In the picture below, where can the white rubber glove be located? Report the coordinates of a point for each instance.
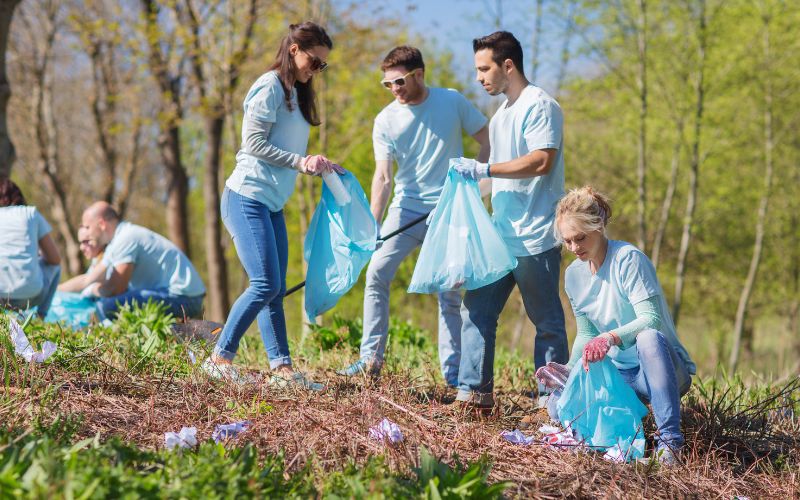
(471, 169)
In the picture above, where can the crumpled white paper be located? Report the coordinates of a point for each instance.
(186, 438)
(229, 431)
(517, 437)
(192, 357)
(23, 347)
(386, 430)
(556, 438)
(624, 451)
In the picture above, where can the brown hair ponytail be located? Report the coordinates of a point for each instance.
(306, 35)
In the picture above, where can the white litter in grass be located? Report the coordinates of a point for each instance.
(625, 451)
(558, 439)
(229, 431)
(23, 347)
(186, 438)
(192, 357)
(517, 437)
(386, 430)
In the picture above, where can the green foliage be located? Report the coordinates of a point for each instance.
(342, 333)
(403, 333)
(372, 479)
(47, 465)
(440, 481)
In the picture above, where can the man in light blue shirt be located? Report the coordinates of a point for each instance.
(526, 168)
(420, 130)
(143, 265)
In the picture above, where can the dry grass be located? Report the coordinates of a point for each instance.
(326, 430)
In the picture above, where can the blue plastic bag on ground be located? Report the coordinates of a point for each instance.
(462, 248)
(339, 243)
(603, 409)
(72, 309)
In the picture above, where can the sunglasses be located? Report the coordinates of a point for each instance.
(397, 81)
(317, 64)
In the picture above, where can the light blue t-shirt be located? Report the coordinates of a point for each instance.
(422, 138)
(21, 228)
(157, 263)
(524, 209)
(626, 277)
(254, 178)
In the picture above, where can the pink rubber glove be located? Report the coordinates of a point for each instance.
(596, 349)
(315, 165)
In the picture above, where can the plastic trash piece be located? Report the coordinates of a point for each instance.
(339, 243)
(462, 249)
(601, 408)
(517, 437)
(192, 357)
(337, 188)
(386, 430)
(72, 309)
(186, 438)
(224, 432)
(553, 375)
(23, 347)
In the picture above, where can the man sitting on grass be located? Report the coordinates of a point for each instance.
(143, 265)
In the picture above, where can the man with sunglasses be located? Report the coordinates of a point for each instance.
(421, 130)
(527, 175)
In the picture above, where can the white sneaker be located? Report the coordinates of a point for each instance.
(226, 372)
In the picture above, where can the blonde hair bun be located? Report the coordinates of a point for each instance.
(589, 210)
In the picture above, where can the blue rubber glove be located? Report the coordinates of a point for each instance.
(471, 169)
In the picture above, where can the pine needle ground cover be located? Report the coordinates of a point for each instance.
(90, 423)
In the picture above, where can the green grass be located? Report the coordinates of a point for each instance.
(46, 452)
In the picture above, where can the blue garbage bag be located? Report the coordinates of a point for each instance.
(72, 309)
(462, 248)
(339, 243)
(603, 409)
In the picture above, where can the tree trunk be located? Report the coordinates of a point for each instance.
(47, 141)
(537, 37)
(519, 327)
(694, 169)
(169, 143)
(215, 255)
(177, 188)
(569, 29)
(641, 165)
(669, 196)
(7, 154)
(761, 218)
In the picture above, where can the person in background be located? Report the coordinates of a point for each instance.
(29, 260)
(93, 252)
(526, 168)
(420, 130)
(620, 312)
(138, 265)
(279, 111)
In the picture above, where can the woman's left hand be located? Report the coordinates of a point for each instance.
(597, 348)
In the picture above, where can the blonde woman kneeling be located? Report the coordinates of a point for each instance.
(620, 312)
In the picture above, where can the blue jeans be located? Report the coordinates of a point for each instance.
(51, 274)
(380, 272)
(660, 379)
(537, 278)
(260, 239)
(178, 305)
